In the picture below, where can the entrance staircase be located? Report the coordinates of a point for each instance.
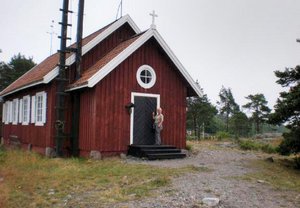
(155, 152)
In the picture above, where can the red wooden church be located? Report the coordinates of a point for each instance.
(126, 74)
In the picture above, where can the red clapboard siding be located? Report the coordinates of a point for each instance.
(100, 50)
(110, 131)
(38, 136)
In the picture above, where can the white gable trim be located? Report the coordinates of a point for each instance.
(86, 48)
(98, 76)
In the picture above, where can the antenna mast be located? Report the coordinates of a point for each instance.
(51, 33)
(120, 8)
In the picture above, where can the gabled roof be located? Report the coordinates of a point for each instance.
(109, 62)
(47, 70)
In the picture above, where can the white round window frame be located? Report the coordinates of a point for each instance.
(139, 80)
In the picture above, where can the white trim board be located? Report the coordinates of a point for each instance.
(137, 94)
(86, 48)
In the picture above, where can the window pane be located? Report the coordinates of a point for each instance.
(148, 73)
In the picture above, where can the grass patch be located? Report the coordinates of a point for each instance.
(277, 174)
(30, 180)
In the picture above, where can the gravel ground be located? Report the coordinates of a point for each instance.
(225, 164)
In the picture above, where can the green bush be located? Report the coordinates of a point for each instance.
(189, 147)
(291, 142)
(253, 145)
(222, 135)
(249, 145)
(269, 149)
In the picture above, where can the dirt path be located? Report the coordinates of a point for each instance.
(219, 169)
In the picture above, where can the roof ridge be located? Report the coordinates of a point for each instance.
(48, 67)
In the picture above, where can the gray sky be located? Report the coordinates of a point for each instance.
(235, 43)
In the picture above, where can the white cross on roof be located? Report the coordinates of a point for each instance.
(153, 26)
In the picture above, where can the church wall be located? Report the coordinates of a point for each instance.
(111, 127)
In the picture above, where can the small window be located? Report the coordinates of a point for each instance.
(26, 110)
(32, 109)
(40, 108)
(146, 76)
(6, 112)
(15, 110)
(9, 113)
(20, 111)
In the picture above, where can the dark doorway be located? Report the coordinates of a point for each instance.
(142, 121)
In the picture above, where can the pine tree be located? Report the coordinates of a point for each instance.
(260, 111)
(227, 105)
(200, 111)
(11, 71)
(287, 109)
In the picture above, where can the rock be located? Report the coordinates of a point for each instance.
(261, 181)
(1, 179)
(95, 155)
(51, 192)
(210, 201)
(186, 152)
(270, 159)
(123, 156)
(49, 152)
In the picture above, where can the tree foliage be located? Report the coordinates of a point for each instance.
(287, 109)
(239, 124)
(15, 68)
(227, 105)
(258, 106)
(200, 111)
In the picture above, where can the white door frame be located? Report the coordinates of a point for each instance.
(138, 94)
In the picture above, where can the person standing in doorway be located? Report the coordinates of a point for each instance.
(158, 124)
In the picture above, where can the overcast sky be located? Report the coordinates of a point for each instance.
(235, 43)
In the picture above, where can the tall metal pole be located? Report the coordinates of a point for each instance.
(76, 94)
(79, 38)
(61, 82)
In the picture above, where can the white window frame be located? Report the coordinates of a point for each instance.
(40, 111)
(153, 76)
(26, 110)
(15, 111)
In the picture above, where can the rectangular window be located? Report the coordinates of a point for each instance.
(40, 108)
(6, 112)
(15, 110)
(9, 112)
(26, 110)
(20, 111)
(33, 109)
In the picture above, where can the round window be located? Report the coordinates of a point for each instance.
(146, 76)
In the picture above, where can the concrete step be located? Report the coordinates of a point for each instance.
(160, 156)
(153, 152)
